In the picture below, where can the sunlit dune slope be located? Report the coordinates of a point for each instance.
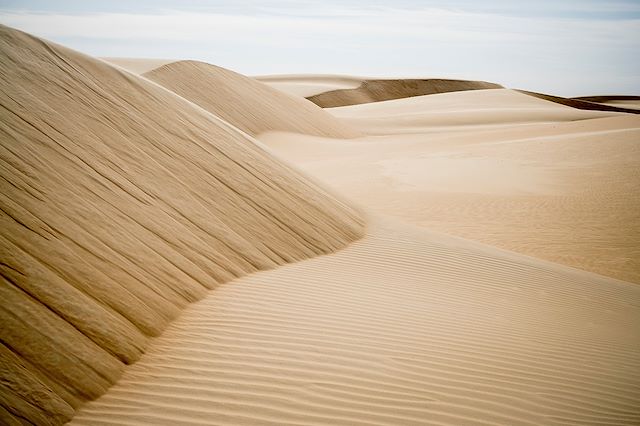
(404, 327)
(121, 203)
(246, 103)
(138, 65)
(306, 85)
(384, 90)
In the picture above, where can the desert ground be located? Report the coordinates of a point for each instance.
(184, 244)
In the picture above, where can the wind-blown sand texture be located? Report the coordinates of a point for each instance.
(495, 166)
(384, 90)
(246, 103)
(122, 203)
(404, 327)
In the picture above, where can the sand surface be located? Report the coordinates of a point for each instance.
(160, 265)
(305, 85)
(245, 103)
(388, 89)
(495, 166)
(122, 203)
(138, 65)
(402, 327)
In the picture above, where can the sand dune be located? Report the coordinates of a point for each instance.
(122, 203)
(306, 85)
(404, 327)
(494, 166)
(581, 103)
(246, 103)
(384, 90)
(457, 111)
(138, 65)
(629, 102)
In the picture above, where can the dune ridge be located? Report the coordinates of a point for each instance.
(247, 104)
(138, 65)
(384, 90)
(121, 204)
(403, 327)
(581, 103)
(306, 85)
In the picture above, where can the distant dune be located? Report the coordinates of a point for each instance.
(582, 103)
(384, 90)
(632, 102)
(138, 65)
(246, 103)
(122, 203)
(496, 166)
(306, 85)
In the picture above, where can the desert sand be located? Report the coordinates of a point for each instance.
(193, 246)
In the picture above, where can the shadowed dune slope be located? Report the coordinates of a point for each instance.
(246, 103)
(121, 203)
(580, 103)
(384, 90)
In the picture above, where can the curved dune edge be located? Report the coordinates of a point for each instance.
(246, 103)
(580, 103)
(402, 327)
(306, 85)
(121, 204)
(384, 90)
(137, 65)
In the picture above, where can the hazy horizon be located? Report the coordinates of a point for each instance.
(568, 48)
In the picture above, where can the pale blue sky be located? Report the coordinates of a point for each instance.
(570, 48)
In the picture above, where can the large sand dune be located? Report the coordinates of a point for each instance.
(384, 90)
(495, 166)
(246, 103)
(404, 327)
(122, 203)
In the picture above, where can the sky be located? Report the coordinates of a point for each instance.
(562, 47)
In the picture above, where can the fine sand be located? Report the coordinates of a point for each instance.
(305, 85)
(245, 103)
(404, 327)
(161, 265)
(384, 90)
(495, 166)
(121, 203)
(138, 65)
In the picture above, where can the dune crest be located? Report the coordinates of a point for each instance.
(247, 104)
(121, 204)
(385, 90)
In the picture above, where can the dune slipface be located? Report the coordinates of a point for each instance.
(246, 103)
(384, 90)
(122, 203)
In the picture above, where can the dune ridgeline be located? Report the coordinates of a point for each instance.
(121, 204)
(246, 103)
